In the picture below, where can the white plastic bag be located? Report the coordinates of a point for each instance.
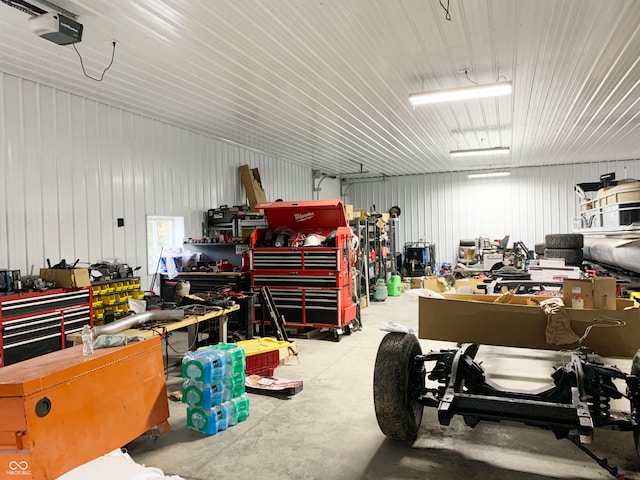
(395, 327)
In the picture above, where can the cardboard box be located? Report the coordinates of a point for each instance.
(360, 213)
(364, 302)
(475, 318)
(382, 221)
(544, 274)
(437, 284)
(348, 212)
(253, 185)
(68, 278)
(470, 283)
(551, 262)
(416, 282)
(596, 292)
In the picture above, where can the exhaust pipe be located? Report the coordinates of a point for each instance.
(137, 319)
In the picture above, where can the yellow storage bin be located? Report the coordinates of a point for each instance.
(109, 299)
(263, 355)
(261, 345)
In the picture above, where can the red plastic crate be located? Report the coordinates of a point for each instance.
(263, 364)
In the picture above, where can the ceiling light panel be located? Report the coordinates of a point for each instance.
(476, 152)
(465, 93)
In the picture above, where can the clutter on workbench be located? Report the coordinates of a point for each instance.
(10, 281)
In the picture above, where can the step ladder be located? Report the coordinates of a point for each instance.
(277, 320)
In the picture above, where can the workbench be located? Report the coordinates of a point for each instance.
(190, 322)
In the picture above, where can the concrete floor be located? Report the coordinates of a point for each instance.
(329, 430)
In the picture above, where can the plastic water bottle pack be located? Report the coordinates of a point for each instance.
(214, 388)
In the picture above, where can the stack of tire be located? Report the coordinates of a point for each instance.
(564, 245)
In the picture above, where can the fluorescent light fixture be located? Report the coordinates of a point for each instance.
(488, 174)
(464, 93)
(475, 152)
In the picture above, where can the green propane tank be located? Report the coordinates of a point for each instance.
(380, 291)
(394, 287)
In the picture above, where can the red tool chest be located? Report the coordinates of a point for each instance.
(310, 285)
(32, 324)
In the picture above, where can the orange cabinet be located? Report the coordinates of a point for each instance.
(61, 410)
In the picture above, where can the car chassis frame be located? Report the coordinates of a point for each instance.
(578, 400)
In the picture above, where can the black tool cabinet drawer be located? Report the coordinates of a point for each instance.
(34, 304)
(295, 259)
(307, 305)
(326, 281)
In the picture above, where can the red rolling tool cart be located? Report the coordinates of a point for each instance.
(32, 324)
(305, 258)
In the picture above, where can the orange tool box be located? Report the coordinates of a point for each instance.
(61, 410)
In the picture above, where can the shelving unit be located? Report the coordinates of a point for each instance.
(361, 277)
(237, 227)
(234, 235)
(112, 296)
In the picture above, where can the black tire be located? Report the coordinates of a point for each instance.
(572, 258)
(467, 243)
(395, 377)
(538, 248)
(571, 241)
(635, 370)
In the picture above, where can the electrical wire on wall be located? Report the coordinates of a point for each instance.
(113, 52)
(447, 15)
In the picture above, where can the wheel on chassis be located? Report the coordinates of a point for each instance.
(396, 378)
(635, 370)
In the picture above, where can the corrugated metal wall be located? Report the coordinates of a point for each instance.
(444, 208)
(71, 166)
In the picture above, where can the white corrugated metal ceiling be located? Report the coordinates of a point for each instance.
(324, 83)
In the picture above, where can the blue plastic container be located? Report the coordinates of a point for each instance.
(209, 421)
(206, 396)
(235, 385)
(236, 358)
(240, 408)
(205, 366)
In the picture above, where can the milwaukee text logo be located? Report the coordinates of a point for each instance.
(303, 217)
